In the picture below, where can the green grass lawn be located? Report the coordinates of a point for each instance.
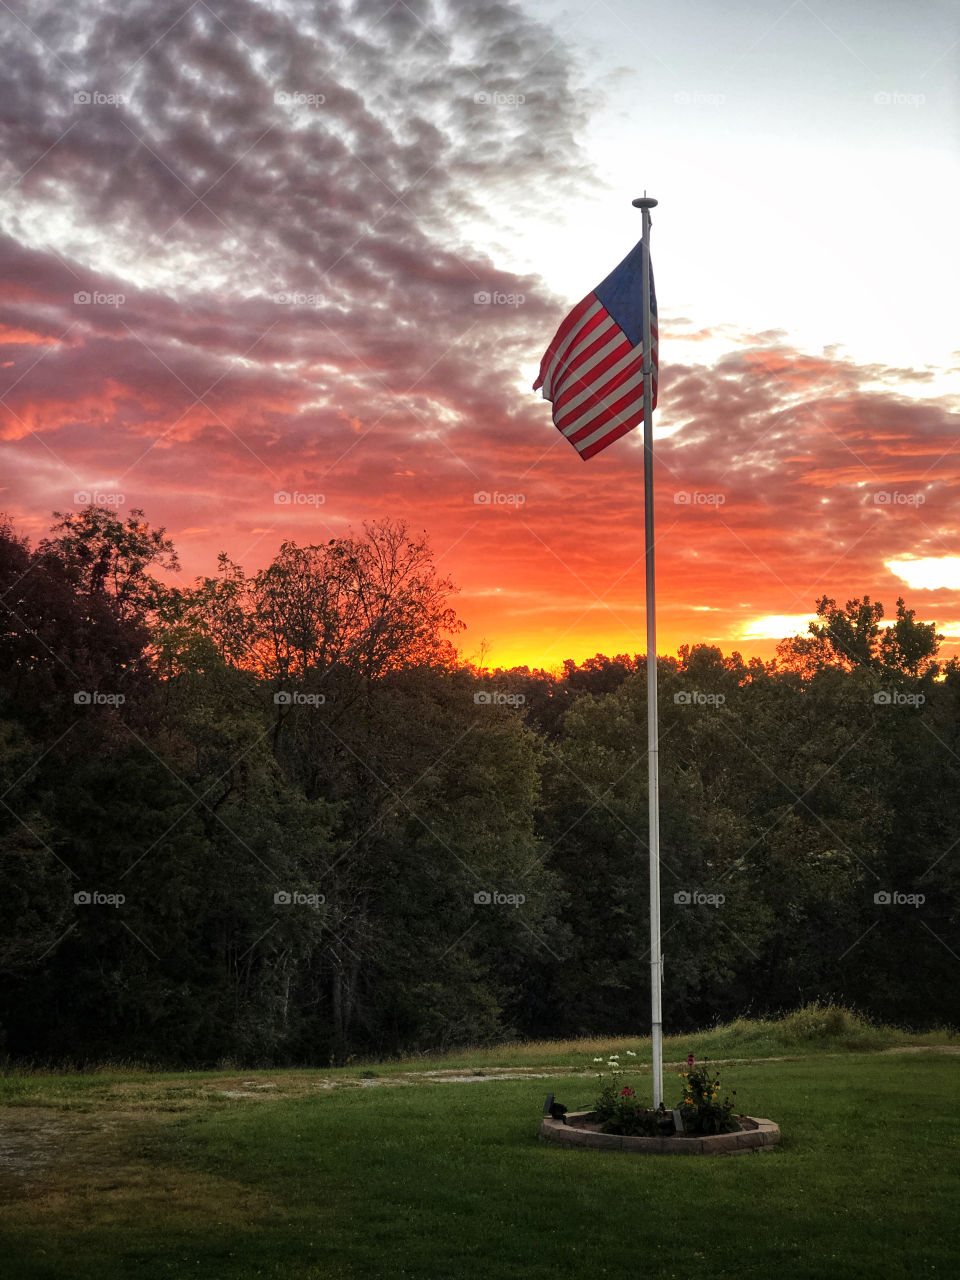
(160, 1176)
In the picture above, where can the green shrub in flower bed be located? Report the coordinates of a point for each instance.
(620, 1111)
(700, 1107)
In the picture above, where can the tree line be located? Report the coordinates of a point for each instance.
(275, 818)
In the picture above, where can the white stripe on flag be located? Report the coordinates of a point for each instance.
(592, 392)
(560, 356)
(575, 372)
(594, 411)
(605, 430)
(607, 329)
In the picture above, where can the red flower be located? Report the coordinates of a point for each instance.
(689, 1059)
(626, 1092)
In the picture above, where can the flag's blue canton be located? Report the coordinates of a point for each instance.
(622, 295)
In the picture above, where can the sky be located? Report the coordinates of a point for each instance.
(274, 269)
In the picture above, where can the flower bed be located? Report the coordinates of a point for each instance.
(583, 1130)
(701, 1124)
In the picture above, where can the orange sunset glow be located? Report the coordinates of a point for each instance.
(244, 292)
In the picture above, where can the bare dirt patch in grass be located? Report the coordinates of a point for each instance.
(84, 1169)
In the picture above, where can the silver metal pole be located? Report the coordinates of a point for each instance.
(645, 204)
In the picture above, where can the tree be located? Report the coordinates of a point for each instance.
(853, 637)
(910, 646)
(104, 555)
(370, 605)
(58, 637)
(346, 645)
(35, 906)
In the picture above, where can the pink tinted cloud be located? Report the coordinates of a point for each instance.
(300, 317)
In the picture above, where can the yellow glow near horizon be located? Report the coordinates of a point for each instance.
(778, 626)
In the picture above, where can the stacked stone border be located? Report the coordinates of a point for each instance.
(755, 1135)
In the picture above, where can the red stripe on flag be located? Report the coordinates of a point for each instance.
(623, 415)
(572, 319)
(593, 332)
(600, 383)
(612, 435)
(596, 380)
(588, 417)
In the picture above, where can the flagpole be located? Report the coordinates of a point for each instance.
(645, 203)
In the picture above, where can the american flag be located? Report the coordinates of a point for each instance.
(593, 369)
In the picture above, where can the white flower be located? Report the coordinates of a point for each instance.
(598, 1059)
(631, 1054)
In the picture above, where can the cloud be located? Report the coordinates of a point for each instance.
(281, 222)
(276, 198)
(928, 574)
(778, 626)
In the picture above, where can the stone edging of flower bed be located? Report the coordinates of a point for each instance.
(756, 1135)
